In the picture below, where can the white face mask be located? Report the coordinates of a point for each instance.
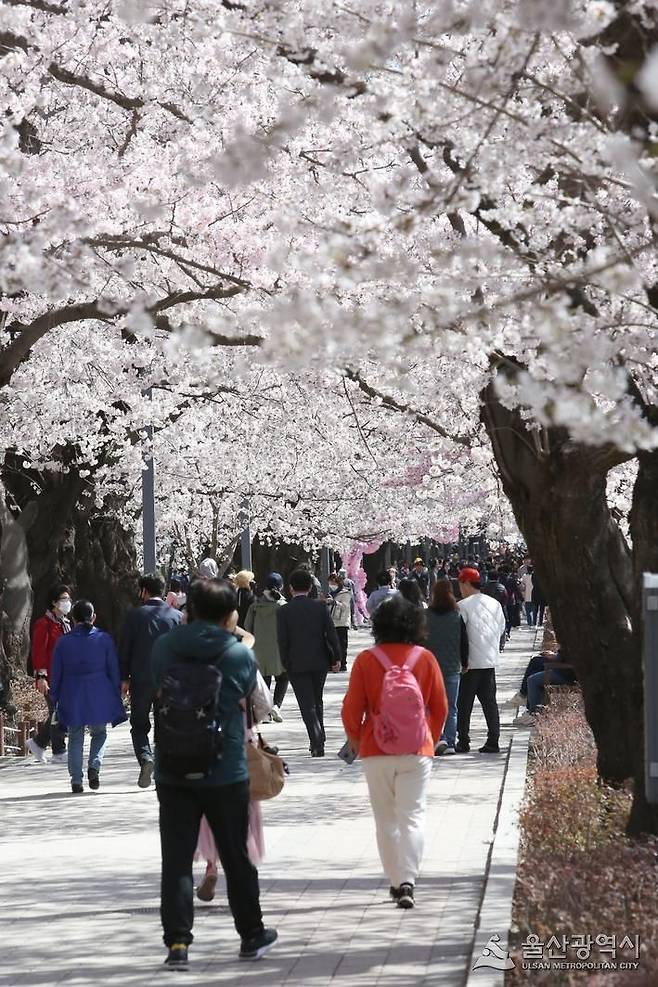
(64, 606)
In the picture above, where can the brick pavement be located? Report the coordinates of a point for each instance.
(79, 877)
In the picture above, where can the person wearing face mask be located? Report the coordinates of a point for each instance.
(142, 628)
(46, 633)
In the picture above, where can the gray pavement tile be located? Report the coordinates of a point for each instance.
(89, 907)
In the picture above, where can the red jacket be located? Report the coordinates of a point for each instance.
(46, 633)
(364, 691)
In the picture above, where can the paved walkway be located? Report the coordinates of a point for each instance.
(79, 877)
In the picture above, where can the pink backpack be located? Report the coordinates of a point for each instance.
(401, 724)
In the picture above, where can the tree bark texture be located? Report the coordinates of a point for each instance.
(557, 489)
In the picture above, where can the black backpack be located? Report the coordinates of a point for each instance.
(188, 734)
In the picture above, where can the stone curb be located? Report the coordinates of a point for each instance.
(495, 915)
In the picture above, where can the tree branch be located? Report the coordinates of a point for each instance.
(390, 402)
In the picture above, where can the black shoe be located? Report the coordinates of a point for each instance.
(462, 748)
(343, 668)
(257, 946)
(490, 749)
(318, 753)
(394, 893)
(94, 779)
(145, 774)
(406, 896)
(177, 957)
(76, 789)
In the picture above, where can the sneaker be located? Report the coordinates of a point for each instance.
(406, 896)
(516, 701)
(145, 774)
(276, 715)
(39, 752)
(394, 893)
(449, 750)
(489, 749)
(441, 748)
(177, 957)
(94, 779)
(206, 890)
(462, 748)
(62, 758)
(526, 719)
(76, 789)
(254, 948)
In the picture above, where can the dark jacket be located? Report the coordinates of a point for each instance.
(496, 591)
(85, 683)
(307, 637)
(210, 644)
(245, 599)
(143, 626)
(447, 639)
(423, 580)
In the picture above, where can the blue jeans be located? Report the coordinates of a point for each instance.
(536, 685)
(531, 614)
(449, 734)
(96, 749)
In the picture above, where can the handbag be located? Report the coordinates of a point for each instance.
(267, 771)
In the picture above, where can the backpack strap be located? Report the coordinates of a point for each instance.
(410, 662)
(382, 658)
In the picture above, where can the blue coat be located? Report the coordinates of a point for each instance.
(85, 682)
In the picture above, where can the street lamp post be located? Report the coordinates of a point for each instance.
(245, 537)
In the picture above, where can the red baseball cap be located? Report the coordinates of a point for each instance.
(469, 576)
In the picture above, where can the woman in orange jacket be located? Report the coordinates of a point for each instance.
(397, 777)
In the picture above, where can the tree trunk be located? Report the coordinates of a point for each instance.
(67, 543)
(557, 491)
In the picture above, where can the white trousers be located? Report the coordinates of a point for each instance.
(398, 790)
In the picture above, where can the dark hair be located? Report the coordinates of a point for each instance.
(396, 621)
(212, 599)
(494, 576)
(174, 585)
(410, 590)
(274, 581)
(443, 599)
(83, 613)
(301, 581)
(384, 578)
(56, 591)
(153, 583)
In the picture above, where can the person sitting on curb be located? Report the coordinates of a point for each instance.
(535, 688)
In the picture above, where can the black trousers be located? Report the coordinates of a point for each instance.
(49, 734)
(141, 703)
(280, 687)
(480, 682)
(308, 688)
(226, 807)
(342, 633)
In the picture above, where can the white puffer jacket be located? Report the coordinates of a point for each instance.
(485, 625)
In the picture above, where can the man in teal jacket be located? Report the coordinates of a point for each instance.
(223, 796)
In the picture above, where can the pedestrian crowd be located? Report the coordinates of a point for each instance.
(208, 660)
